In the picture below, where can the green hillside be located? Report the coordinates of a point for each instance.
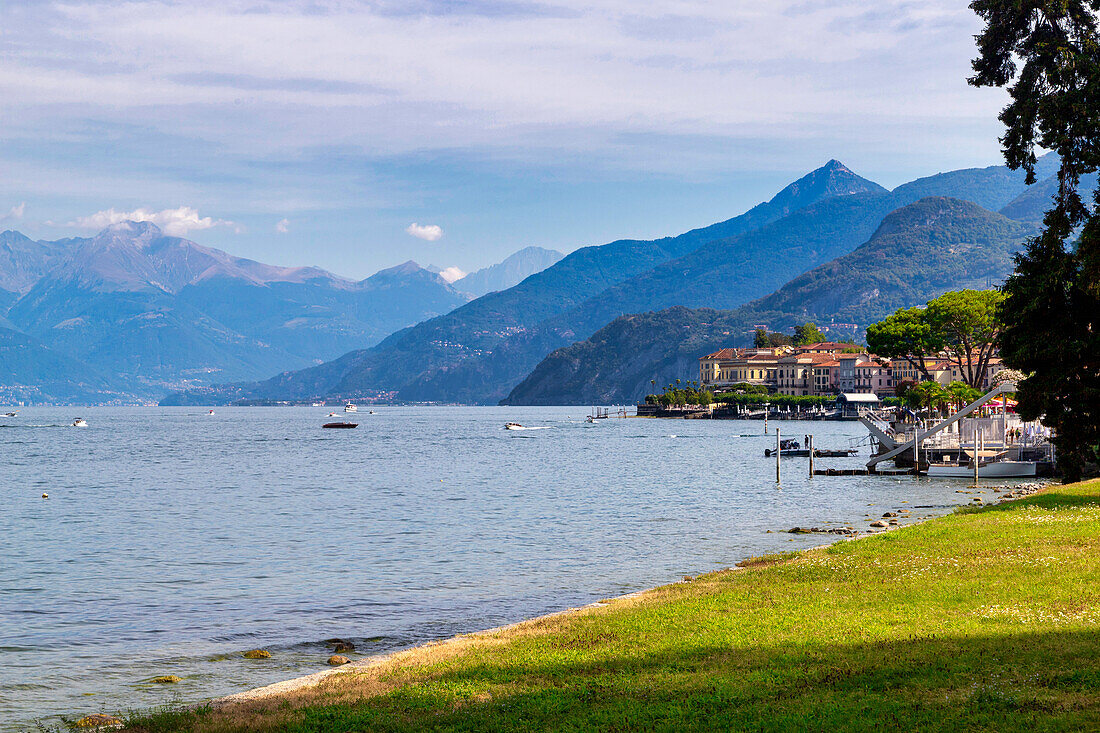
(919, 252)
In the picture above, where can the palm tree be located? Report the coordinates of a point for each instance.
(962, 393)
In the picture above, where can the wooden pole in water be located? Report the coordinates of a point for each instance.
(777, 455)
(977, 452)
(765, 418)
(811, 442)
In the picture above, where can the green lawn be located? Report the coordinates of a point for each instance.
(988, 619)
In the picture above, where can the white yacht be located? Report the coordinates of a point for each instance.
(80, 423)
(995, 466)
(350, 407)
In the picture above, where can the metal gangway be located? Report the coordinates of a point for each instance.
(887, 438)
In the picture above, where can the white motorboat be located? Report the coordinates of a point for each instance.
(211, 412)
(350, 407)
(80, 423)
(332, 414)
(992, 469)
(991, 464)
(317, 404)
(11, 414)
(517, 426)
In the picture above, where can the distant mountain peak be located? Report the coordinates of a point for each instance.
(512, 270)
(134, 228)
(832, 179)
(405, 268)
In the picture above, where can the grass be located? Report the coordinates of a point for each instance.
(988, 619)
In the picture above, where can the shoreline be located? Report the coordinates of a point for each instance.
(376, 660)
(359, 666)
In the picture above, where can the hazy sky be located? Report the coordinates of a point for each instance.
(356, 135)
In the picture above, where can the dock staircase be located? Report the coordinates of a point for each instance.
(895, 449)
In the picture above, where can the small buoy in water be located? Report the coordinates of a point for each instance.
(45, 495)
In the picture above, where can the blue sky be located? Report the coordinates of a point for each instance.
(320, 132)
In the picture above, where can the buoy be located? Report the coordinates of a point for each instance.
(45, 495)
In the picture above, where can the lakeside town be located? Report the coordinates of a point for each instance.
(861, 486)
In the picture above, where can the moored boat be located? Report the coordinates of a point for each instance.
(989, 469)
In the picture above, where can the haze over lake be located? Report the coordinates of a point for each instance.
(173, 540)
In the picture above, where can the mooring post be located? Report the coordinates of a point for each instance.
(810, 440)
(765, 418)
(977, 453)
(777, 455)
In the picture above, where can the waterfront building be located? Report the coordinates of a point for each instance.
(727, 367)
(710, 366)
(806, 374)
(874, 376)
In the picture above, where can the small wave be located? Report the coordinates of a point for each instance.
(58, 425)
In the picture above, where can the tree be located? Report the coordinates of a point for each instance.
(1047, 54)
(807, 333)
(968, 322)
(962, 394)
(905, 335)
(927, 394)
(760, 339)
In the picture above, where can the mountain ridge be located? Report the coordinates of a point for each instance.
(918, 252)
(428, 352)
(156, 313)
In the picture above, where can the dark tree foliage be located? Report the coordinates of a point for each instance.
(1047, 54)
(807, 333)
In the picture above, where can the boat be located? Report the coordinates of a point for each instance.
(834, 453)
(350, 407)
(11, 414)
(788, 447)
(318, 404)
(341, 425)
(518, 426)
(211, 412)
(332, 414)
(991, 465)
(80, 423)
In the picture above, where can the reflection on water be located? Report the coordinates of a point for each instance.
(172, 540)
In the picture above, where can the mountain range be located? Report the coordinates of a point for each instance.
(917, 253)
(479, 352)
(132, 313)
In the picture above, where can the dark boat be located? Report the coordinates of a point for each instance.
(343, 425)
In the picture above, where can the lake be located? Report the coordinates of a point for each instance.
(173, 540)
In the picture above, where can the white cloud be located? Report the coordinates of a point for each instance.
(427, 232)
(432, 78)
(283, 226)
(15, 212)
(173, 222)
(452, 273)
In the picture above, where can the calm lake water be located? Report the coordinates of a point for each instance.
(172, 540)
